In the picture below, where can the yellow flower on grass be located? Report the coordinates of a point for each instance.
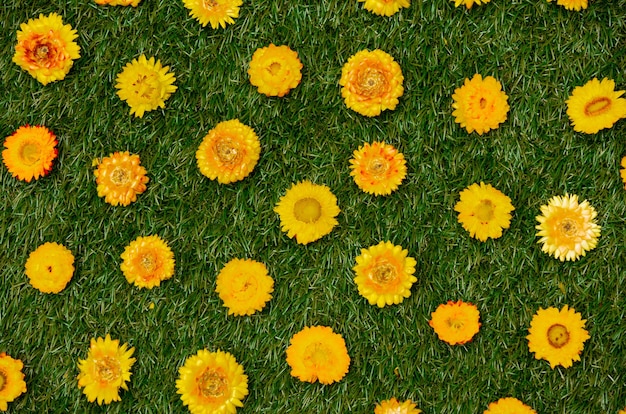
(622, 411)
(316, 353)
(508, 405)
(212, 383)
(307, 211)
(45, 48)
(216, 12)
(378, 168)
(480, 104)
(567, 229)
(229, 152)
(455, 322)
(12, 383)
(622, 172)
(133, 3)
(470, 3)
(393, 406)
(147, 261)
(275, 70)
(371, 82)
(558, 336)
(30, 152)
(572, 4)
(385, 7)
(120, 177)
(50, 267)
(244, 286)
(595, 106)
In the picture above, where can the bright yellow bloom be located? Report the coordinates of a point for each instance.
(595, 106)
(572, 4)
(622, 411)
(558, 336)
(275, 70)
(229, 152)
(622, 172)
(12, 383)
(212, 383)
(509, 405)
(470, 3)
(455, 322)
(216, 12)
(484, 211)
(50, 267)
(317, 353)
(480, 104)
(567, 229)
(120, 177)
(385, 7)
(393, 406)
(30, 152)
(371, 82)
(244, 286)
(378, 168)
(147, 261)
(133, 3)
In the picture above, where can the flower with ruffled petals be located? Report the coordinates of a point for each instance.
(275, 70)
(12, 383)
(378, 168)
(572, 4)
(216, 12)
(508, 405)
(244, 286)
(50, 267)
(470, 3)
(385, 7)
(480, 104)
(147, 261)
(455, 322)
(30, 152)
(120, 178)
(595, 106)
(393, 406)
(133, 3)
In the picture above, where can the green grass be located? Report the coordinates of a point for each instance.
(538, 50)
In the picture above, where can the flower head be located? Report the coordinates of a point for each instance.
(12, 383)
(371, 82)
(480, 104)
(30, 152)
(216, 12)
(595, 106)
(133, 3)
(393, 406)
(385, 7)
(378, 168)
(622, 172)
(567, 229)
(316, 353)
(50, 267)
(470, 3)
(147, 261)
(572, 4)
(455, 322)
(105, 370)
(275, 70)
(509, 405)
(244, 286)
(120, 177)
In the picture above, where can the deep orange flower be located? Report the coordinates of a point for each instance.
(30, 152)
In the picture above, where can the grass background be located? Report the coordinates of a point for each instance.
(538, 50)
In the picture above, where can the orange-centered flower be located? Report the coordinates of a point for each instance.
(30, 152)
(378, 168)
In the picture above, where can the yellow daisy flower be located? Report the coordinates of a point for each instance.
(105, 370)
(558, 336)
(470, 3)
(244, 286)
(595, 106)
(317, 353)
(572, 4)
(147, 261)
(455, 322)
(385, 7)
(480, 104)
(384, 274)
(212, 383)
(216, 12)
(50, 267)
(307, 211)
(484, 211)
(509, 405)
(45, 48)
(229, 152)
(275, 70)
(371, 82)
(622, 411)
(145, 85)
(567, 229)
(378, 168)
(622, 172)
(133, 3)
(393, 406)
(30, 152)
(12, 383)
(120, 177)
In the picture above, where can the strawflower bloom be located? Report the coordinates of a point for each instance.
(317, 353)
(572, 4)
(385, 7)
(378, 168)
(622, 172)
(12, 383)
(393, 406)
(480, 104)
(147, 261)
(470, 3)
(455, 322)
(120, 178)
(50, 267)
(595, 106)
(216, 12)
(509, 405)
(29, 152)
(133, 3)
(244, 286)
(275, 70)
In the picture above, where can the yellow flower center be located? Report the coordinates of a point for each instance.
(597, 106)
(108, 369)
(455, 323)
(120, 176)
(212, 384)
(307, 210)
(226, 151)
(377, 166)
(144, 86)
(317, 354)
(244, 288)
(30, 153)
(383, 273)
(148, 262)
(274, 68)
(371, 82)
(3, 380)
(568, 227)
(485, 211)
(558, 335)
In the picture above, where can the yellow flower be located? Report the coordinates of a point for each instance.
(106, 370)
(572, 4)
(384, 274)
(244, 286)
(212, 383)
(484, 211)
(622, 411)
(455, 322)
(12, 383)
(377, 168)
(30, 152)
(557, 336)
(145, 85)
(385, 7)
(50, 267)
(622, 172)
(509, 405)
(45, 48)
(307, 211)
(371, 82)
(317, 353)
(216, 12)
(275, 70)
(393, 406)
(470, 3)
(133, 3)
(147, 261)
(120, 178)
(229, 152)
(595, 106)
(567, 229)
(480, 104)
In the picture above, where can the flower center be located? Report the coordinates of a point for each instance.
(3, 380)
(226, 151)
(558, 336)
(378, 166)
(485, 211)
(307, 210)
(41, 52)
(245, 287)
(144, 88)
(569, 227)
(212, 384)
(482, 103)
(371, 82)
(120, 176)
(148, 262)
(273, 68)
(383, 273)
(597, 106)
(317, 354)
(108, 369)
(209, 4)
(455, 323)
(30, 153)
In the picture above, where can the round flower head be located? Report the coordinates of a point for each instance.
(393, 406)
(215, 12)
(484, 211)
(50, 267)
(622, 411)
(567, 229)
(105, 370)
(371, 82)
(385, 7)
(244, 286)
(595, 106)
(572, 4)
(229, 152)
(470, 3)
(455, 322)
(275, 70)
(622, 172)
(384, 274)
(133, 3)
(307, 211)
(145, 85)
(480, 104)
(509, 405)
(558, 336)
(377, 168)
(30, 152)
(147, 261)
(120, 178)
(317, 353)
(45, 48)
(12, 383)
(212, 383)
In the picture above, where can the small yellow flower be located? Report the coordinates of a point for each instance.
(133, 3)
(275, 70)
(509, 405)
(572, 4)
(378, 168)
(480, 104)
(595, 106)
(216, 12)
(244, 286)
(50, 267)
(622, 172)
(120, 178)
(30, 152)
(455, 322)
(385, 7)
(147, 261)
(12, 383)
(393, 406)
(470, 3)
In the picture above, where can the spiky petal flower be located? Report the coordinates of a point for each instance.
(385, 7)
(595, 106)
(50, 267)
(480, 104)
(572, 4)
(133, 3)
(120, 178)
(147, 261)
(508, 405)
(12, 383)
(378, 168)
(455, 322)
(30, 152)
(393, 406)
(244, 286)
(275, 70)
(470, 3)
(216, 12)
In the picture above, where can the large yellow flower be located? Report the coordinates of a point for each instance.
(216, 12)
(212, 383)
(307, 211)
(244, 286)
(45, 48)
(622, 172)
(385, 7)
(470, 3)
(509, 405)
(371, 82)
(275, 70)
(558, 336)
(378, 168)
(145, 85)
(484, 211)
(595, 106)
(147, 261)
(393, 406)
(50, 267)
(30, 152)
(133, 3)
(480, 104)
(455, 322)
(12, 383)
(572, 4)
(120, 177)
(317, 353)
(229, 152)
(567, 229)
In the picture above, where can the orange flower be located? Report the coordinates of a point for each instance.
(29, 152)
(147, 261)
(378, 168)
(120, 178)
(275, 70)
(455, 322)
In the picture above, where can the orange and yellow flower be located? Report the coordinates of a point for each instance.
(50, 267)
(622, 172)
(29, 152)
(244, 286)
(455, 322)
(385, 7)
(480, 104)
(12, 383)
(595, 106)
(378, 168)
(133, 3)
(120, 178)
(508, 405)
(470, 3)
(215, 12)
(275, 70)
(393, 406)
(572, 4)
(147, 261)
